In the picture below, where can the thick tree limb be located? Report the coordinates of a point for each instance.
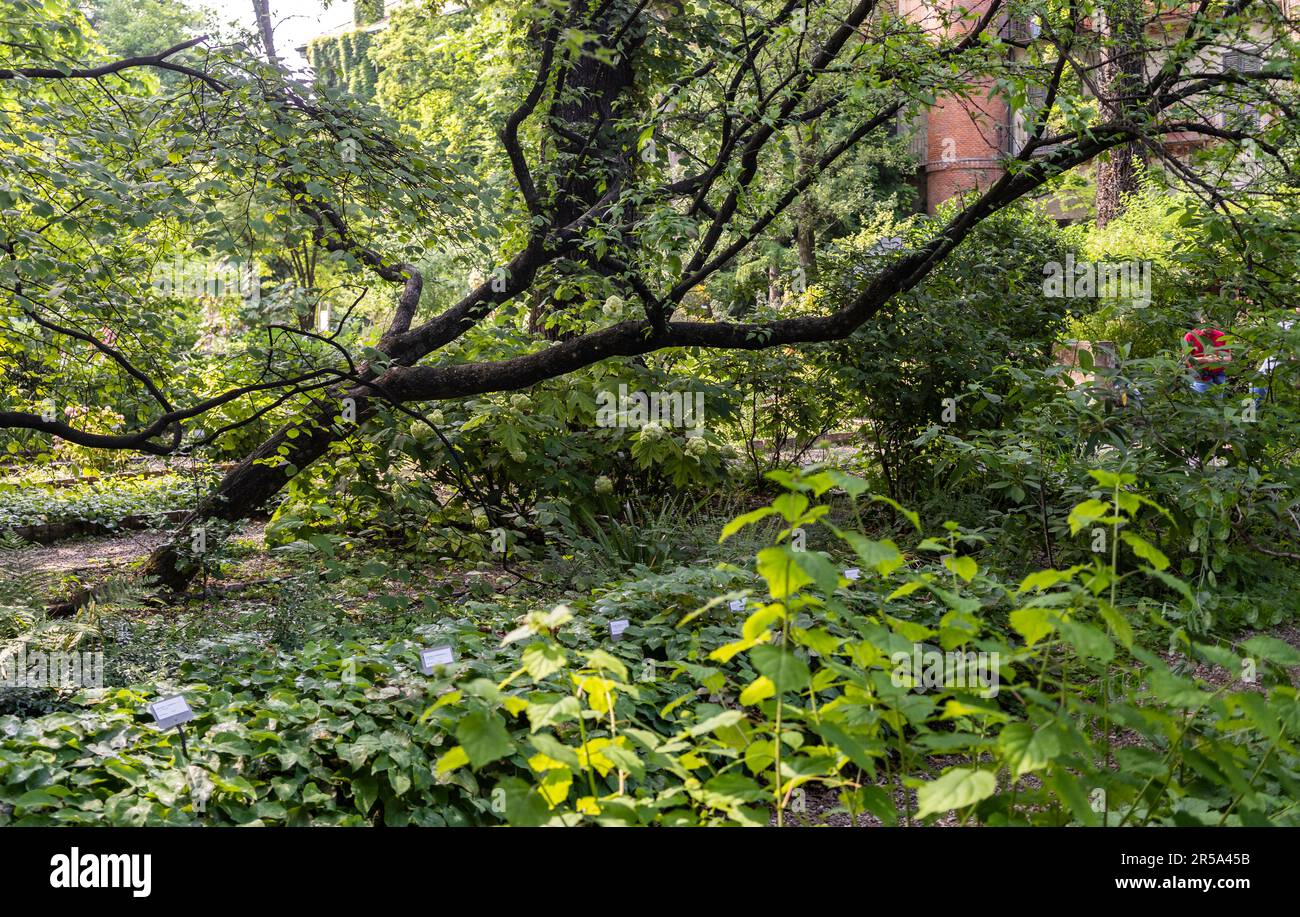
(159, 60)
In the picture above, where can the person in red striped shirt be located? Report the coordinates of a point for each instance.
(1208, 357)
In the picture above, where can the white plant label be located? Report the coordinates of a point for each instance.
(737, 605)
(853, 573)
(438, 655)
(171, 711)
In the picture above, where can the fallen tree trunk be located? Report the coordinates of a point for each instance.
(248, 486)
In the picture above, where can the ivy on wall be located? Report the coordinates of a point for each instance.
(343, 62)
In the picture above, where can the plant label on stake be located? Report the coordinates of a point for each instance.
(852, 573)
(438, 655)
(616, 628)
(736, 604)
(171, 711)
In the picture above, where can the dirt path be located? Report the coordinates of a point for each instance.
(101, 554)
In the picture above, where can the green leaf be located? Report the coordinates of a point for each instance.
(958, 788)
(780, 568)
(758, 690)
(905, 589)
(787, 671)
(1033, 623)
(1086, 513)
(552, 747)
(36, 799)
(881, 556)
(484, 738)
(542, 659)
(365, 790)
(735, 525)
(790, 506)
(455, 757)
(604, 662)
(851, 747)
(1257, 708)
(1046, 579)
(553, 709)
(1173, 690)
(1068, 789)
(1273, 650)
(1145, 550)
(1117, 623)
(625, 760)
(1110, 479)
(963, 566)
(816, 565)
(525, 807)
(1171, 581)
(718, 721)
(1026, 749)
(910, 515)
(1087, 640)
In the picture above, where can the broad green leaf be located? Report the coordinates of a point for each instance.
(1087, 640)
(1273, 650)
(542, 659)
(1117, 623)
(525, 807)
(1033, 623)
(484, 738)
(1026, 749)
(717, 721)
(910, 515)
(790, 506)
(958, 788)
(453, 758)
(1069, 790)
(1086, 513)
(1046, 579)
(758, 690)
(963, 566)
(787, 671)
(882, 556)
(735, 525)
(905, 589)
(1145, 550)
(781, 570)
(852, 748)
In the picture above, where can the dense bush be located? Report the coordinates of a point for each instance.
(898, 372)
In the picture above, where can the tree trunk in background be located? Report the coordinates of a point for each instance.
(806, 215)
(775, 293)
(1121, 75)
(590, 148)
(262, 13)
